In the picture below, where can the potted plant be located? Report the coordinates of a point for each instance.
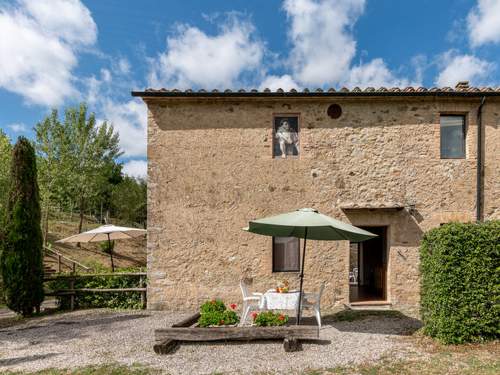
(214, 313)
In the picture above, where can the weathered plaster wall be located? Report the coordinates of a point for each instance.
(211, 170)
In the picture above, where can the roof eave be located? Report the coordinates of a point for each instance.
(184, 94)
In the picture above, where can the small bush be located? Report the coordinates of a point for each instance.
(122, 300)
(215, 313)
(212, 306)
(269, 318)
(217, 318)
(461, 282)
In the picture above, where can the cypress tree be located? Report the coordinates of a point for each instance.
(21, 255)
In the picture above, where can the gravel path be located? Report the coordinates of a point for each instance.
(91, 337)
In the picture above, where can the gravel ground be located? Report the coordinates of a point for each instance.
(92, 337)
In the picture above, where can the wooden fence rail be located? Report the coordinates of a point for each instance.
(61, 258)
(72, 291)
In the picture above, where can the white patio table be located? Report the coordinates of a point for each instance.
(272, 300)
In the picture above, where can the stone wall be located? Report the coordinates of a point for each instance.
(211, 170)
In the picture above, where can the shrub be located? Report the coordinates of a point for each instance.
(218, 318)
(460, 282)
(122, 300)
(269, 318)
(212, 306)
(215, 313)
(21, 240)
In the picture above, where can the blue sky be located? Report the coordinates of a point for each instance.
(56, 53)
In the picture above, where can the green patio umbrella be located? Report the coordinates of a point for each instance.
(307, 223)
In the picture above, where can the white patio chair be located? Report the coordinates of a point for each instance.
(352, 278)
(356, 274)
(313, 301)
(250, 301)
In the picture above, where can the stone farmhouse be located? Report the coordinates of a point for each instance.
(396, 162)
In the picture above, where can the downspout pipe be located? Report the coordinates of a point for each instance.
(480, 162)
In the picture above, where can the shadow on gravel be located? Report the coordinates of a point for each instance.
(67, 328)
(18, 360)
(373, 321)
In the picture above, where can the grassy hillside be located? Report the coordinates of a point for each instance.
(127, 253)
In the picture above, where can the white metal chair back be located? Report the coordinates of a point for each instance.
(244, 289)
(321, 289)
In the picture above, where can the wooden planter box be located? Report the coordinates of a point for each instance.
(168, 338)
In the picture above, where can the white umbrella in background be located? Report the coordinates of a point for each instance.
(105, 233)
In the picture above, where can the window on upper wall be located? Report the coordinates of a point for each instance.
(285, 136)
(286, 254)
(452, 136)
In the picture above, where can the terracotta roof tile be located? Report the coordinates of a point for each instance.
(462, 89)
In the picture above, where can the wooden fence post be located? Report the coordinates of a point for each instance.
(72, 298)
(59, 263)
(143, 294)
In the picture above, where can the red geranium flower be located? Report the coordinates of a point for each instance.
(254, 315)
(281, 317)
(221, 322)
(233, 306)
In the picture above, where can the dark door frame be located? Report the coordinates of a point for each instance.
(385, 261)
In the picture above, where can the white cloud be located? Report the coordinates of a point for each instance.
(17, 127)
(375, 74)
(483, 22)
(196, 59)
(69, 20)
(455, 68)
(45, 36)
(136, 168)
(123, 66)
(324, 47)
(130, 120)
(284, 82)
(321, 34)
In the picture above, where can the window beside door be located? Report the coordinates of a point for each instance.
(452, 133)
(286, 254)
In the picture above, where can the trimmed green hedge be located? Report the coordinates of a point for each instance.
(460, 268)
(124, 300)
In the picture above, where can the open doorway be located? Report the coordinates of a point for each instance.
(368, 268)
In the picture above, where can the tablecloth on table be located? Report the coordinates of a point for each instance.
(280, 301)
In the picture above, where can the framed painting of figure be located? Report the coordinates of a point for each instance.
(286, 136)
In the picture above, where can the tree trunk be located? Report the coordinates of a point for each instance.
(46, 225)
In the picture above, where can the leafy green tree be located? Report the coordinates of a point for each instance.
(129, 201)
(21, 256)
(77, 161)
(93, 149)
(53, 149)
(5, 160)
(5, 156)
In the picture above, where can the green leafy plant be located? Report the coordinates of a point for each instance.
(215, 313)
(218, 318)
(21, 239)
(269, 318)
(212, 306)
(460, 293)
(124, 300)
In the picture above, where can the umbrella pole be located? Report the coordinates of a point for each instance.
(302, 278)
(111, 254)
